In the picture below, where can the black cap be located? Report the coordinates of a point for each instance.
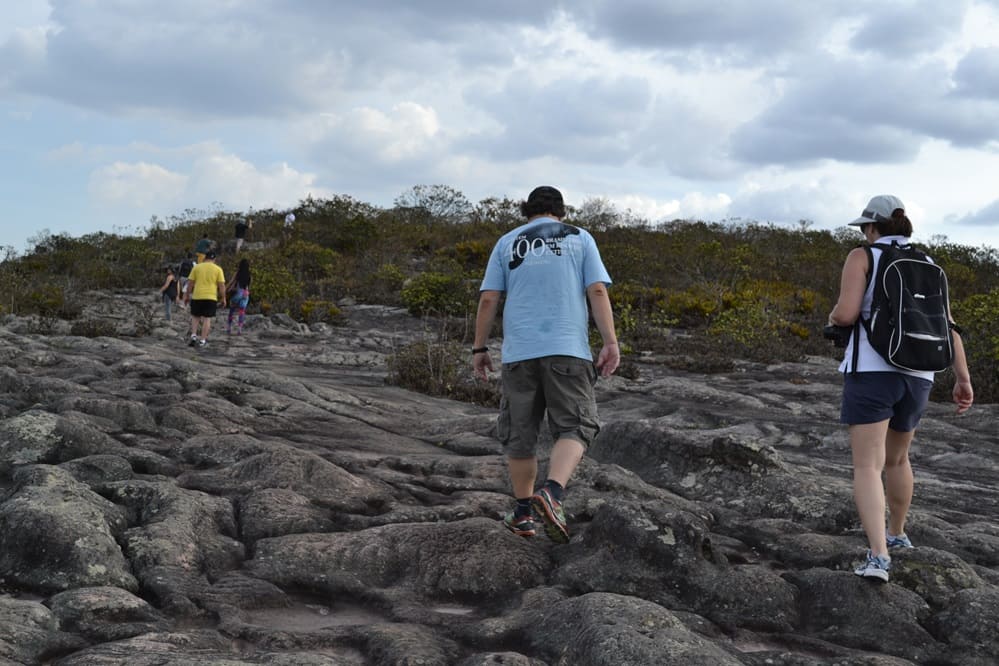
(210, 254)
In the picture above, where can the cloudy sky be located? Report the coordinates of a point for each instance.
(114, 111)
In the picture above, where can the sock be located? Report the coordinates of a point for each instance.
(523, 507)
(555, 489)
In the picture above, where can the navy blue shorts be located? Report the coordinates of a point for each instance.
(870, 397)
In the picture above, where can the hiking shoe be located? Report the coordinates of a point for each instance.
(193, 341)
(520, 525)
(875, 567)
(202, 343)
(550, 511)
(898, 540)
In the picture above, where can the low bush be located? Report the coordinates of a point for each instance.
(440, 369)
(93, 328)
(440, 294)
(312, 312)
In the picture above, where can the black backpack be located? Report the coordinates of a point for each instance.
(185, 268)
(910, 312)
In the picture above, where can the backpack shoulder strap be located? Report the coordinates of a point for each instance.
(870, 263)
(860, 317)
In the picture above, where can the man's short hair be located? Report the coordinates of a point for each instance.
(542, 200)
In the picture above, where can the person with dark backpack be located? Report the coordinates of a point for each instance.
(894, 311)
(169, 292)
(183, 271)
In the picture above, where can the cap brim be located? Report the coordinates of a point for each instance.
(859, 222)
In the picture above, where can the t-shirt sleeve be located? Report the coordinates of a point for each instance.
(593, 265)
(495, 277)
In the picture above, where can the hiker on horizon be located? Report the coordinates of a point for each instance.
(206, 287)
(289, 226)
(202, 247)
(883, 403)
(242, 226)
(548, 270)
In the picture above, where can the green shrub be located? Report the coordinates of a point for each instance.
(470, 255)
(312, 312)
(273, 283)
(384, 285)
(309, 262)
(750, 331)
(439, 294)
(46, 300)
(977, 315)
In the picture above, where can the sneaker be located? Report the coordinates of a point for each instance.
(202, 343)
(875, 567)
(520, 525)
(550, 511)
(898, 540)
(193, 341)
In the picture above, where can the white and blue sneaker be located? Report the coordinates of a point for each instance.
(875, 567)
(898, 540)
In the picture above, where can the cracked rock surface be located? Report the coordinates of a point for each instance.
(270, 500)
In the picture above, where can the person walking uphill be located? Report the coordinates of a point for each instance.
(202, 247)
(239, 288)
(206, 287)
(548, 270)
(242, 226)
(883, 403)
(169, 292)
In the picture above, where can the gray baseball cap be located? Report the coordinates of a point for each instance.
(879, 209)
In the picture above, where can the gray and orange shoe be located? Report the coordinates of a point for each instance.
(550, 511)
(520, 525)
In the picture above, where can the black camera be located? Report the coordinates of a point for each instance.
(840, 335)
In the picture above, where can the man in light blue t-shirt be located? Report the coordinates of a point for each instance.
(548, 271)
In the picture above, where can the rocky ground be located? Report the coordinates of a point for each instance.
(269, 500)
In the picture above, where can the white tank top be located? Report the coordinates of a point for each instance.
(868, 360)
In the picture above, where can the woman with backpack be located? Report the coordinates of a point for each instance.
(883, 402)
(239, 288)
(169, 292)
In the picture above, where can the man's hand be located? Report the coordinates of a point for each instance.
(609, 359)
(482, 362)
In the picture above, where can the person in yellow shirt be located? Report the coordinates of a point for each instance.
(205, 288)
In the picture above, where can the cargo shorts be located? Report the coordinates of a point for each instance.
(562, 387)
